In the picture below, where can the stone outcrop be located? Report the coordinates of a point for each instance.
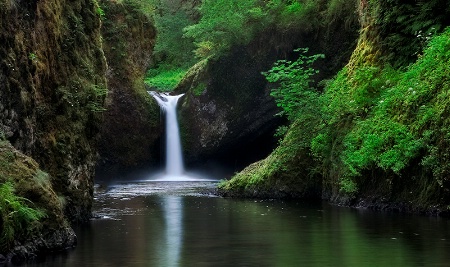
(227, 113)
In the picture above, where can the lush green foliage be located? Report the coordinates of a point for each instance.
(399, 23)
(171, 47)
(222, 24)
(18, 219)
(173, 52)
(397, 117)
(228, 23)
(164, 79)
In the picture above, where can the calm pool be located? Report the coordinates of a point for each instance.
(181, 224)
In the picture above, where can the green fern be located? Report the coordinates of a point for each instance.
(17, 219)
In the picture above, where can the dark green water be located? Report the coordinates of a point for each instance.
(170, 224)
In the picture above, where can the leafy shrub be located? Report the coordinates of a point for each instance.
(228, 23)
(406, 27)
(295, 93)
(223, 23)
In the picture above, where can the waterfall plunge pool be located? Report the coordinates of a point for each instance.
(183, 224)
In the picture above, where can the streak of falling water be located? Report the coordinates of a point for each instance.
(174, 157)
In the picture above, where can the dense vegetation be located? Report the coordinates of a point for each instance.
(228, 23)
(172, 52)
(17, 217)
(219, 26)
(379, 129)
(399, 116)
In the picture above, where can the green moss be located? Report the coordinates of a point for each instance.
(199, 89)
(286, 172)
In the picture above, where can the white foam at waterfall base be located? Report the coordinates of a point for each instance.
(174, 170)
(187, 177)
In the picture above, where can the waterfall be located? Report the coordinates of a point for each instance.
(174, 157)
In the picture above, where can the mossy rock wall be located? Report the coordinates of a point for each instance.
(228, 106)
(382, 140)
(131, 128)
(52, 88)
(396, 34)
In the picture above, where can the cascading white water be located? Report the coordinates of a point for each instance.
(174, 157)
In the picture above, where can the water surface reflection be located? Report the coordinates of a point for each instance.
(183, 228)
(173, 213)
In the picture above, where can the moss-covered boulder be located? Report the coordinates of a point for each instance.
(32, 222)
(285, 173)
(131, 126)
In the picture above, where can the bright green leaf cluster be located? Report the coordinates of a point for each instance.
(294, 93)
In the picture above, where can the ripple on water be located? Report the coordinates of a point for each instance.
(104, 196)
(129, 190)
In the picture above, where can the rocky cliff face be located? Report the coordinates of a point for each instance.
(52, 88)
(228, 113)
(131, 128)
